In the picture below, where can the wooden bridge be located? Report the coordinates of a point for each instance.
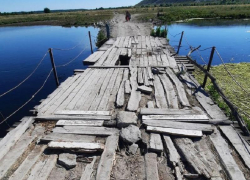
(131, 115)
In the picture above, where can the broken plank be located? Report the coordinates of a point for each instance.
(165, 111)
(155, 144)
(237, 143)
(79, 123)
(174, 156)
(99, 131)
(134, 100)
(43, 168)
(176, 132)
(205, 128)
(221, 147)
(151, 166)
(107, 159)
(67, 137)
(73, 112)
(127, 87)
(83, 146)
(12, 137)
(160, 98)
(14, 154)
(87, 173)
(28, 163)
(176, 117)
(61, 117)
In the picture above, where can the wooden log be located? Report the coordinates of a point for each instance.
(87, 173)
(99, 131)
(14, 154)
(79, 113)
(43, 168)
(82, 146)
(237, 143)
(67, 137)
(176, 132)
(225, 157)
(174, 156)
(155, 144)
(165, 111)
(151, 166)
(176, 117)
(28, 163)
(107, 159)
(79, 123)
(62, 117)
(205, 128)
(12, 137)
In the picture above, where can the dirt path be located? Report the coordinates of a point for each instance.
(131, 28)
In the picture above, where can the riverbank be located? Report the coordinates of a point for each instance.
(91, 17)
(235, 93)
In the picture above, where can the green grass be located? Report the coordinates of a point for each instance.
(231, 90)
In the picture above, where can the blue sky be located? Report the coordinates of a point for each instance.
(36, 5)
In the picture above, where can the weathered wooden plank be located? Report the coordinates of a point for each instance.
(176, 132)
(87, 173)
(108, 156)
(107, 94)
(174, 156)
(93, 57)
(172, 97)
(164, 59)
(155, 143)
(62, 117)
(100, 131)
(67, 137)
(43, 168)
(145, 77)
(180, 88)
(14, 154)
(160, 98)
(176, 117)
(165, 111)
(236, 141)
(150, 104)
(127, 87)
(12, 137)
(79, 123)
(28, 163)
(101, 92)
(58, 173)
(150, 74)
(83, 146)
(140, 76)
(74, 112)
(205, 128)
(120, 99)
(226, 159)
(151, 166)
(134, 100)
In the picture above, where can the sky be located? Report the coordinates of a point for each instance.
(38, 5)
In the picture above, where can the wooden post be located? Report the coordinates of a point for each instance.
(182, 33)
(108, 31)
(208, 66)
(90, 42)
(53, 66)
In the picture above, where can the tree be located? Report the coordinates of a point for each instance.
(46, 10)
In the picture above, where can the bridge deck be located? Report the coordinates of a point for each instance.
(183, 133)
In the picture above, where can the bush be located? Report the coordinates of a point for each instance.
(46, 10)
(101, 38)
(152, 33)
(158, 32)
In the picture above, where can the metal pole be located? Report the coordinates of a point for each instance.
(90, 42)
(182, 33)
(108, 31)
(53, 66)
(208, 66)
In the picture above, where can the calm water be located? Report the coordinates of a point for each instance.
(21, 48)
(232, 39)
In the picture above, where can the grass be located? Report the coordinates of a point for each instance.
(167, 15)
(231, 90)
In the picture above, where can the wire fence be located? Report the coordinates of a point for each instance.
(45, 81)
